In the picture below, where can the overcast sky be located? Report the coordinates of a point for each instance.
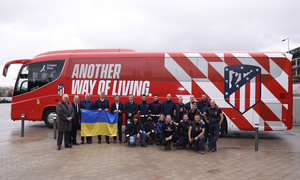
(31, 27)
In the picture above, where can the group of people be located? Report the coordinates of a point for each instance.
(167, 123)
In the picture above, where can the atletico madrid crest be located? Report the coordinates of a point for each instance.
(61, 89)
(242, 86)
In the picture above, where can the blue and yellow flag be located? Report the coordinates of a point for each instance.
(94, 122)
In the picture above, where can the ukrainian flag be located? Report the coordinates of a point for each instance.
(94, 122)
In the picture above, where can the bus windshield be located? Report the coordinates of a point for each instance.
(35, 75)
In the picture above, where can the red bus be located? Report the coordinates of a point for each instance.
(252, 88)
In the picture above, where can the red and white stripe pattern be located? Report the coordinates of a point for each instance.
(190, 69)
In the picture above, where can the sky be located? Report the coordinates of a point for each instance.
(31, 27)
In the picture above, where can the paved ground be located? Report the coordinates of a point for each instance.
(35, 157)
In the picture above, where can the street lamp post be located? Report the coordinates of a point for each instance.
(288, 41)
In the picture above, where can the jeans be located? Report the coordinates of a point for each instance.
(214, 130)
(199, 144)
(142, 136)
(183, 141)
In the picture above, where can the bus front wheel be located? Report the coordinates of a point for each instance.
(48, 117)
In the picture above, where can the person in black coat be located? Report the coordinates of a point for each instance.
(75, 121)
(130, 109)
(102, 104)
(134, 131)
(150, 130)
(117, 107)
(65, 114)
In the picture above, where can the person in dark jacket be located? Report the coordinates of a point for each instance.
(155, 109)
(183, 129)
(193, 112)
(150, 130)
(168, 132)
(168, 107)
(135, 130)
(75, 120)
(203, 104)
(65, 114)
(130, 109)
(189, 104)
(180, 110)
(117, 107)
(89, 105)
(102, 104)
(143, 109)
(159, 124)
(214, 118)
(197, 134)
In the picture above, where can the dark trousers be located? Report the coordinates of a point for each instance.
(214, 130)
(73, 134)
(100, 137)
(183, 141)
(88, 139)
(168, 143)
(199, 144)
(66, 138)
(153, 136)
(120, 123)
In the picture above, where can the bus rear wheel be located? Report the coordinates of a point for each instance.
(48, 117)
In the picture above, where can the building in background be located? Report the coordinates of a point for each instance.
(296, 70)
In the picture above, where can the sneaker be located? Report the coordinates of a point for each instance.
(202, 152)
(143, 145)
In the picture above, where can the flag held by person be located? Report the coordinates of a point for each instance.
(94, 122)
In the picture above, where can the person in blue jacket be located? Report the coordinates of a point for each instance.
(159, 124)
(168, 107)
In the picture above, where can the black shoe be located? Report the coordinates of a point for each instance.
(75, 143)
(107, 142)
(58, 147)
(68, 146)
(99, 142)
(143, 145)
(89, 142)
(82, 142)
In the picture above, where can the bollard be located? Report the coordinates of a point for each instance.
(54, 126)
(22, 124)
(256, 137)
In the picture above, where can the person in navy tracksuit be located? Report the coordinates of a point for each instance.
(143, 109)
(102, 104)
(214, 118)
